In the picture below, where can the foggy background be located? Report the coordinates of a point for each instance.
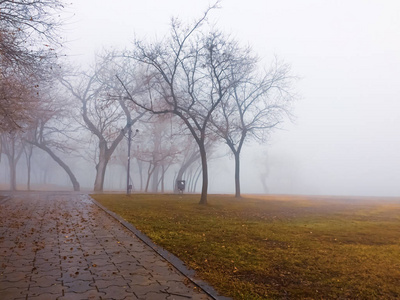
(344, 139)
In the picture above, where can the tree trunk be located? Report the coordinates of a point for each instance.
(236, 154)
(28, 148)
(29, 176)
(104, 156)
(149, 172)
(162, 178)
(161, 181)
(13, 173)
(189, 179)
(203, 156)
(263, 178)
(12, 163)
(63, 165)
(183, 169)
(140, 168)
(237, 174)
(100, 174)
(44, 175)
(155, 179)
(197, 174)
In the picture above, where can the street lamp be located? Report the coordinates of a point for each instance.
(129, 186)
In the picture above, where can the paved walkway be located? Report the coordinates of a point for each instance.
(62, 246)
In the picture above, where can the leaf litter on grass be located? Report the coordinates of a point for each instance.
(276, 246)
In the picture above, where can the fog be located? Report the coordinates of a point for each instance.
(344, 137)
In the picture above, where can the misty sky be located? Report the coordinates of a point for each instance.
(345, 137)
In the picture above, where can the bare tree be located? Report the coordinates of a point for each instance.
(189, 161)
(105, 112)
(53, 132)
(18, 102)
(28, 151)
(41, 142)
(12, 147)
(189, 75)
(189, 155)
(32, 22)
(159, 150)
(257, 104)
(28, 42)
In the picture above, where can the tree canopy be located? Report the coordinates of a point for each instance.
(28, 52)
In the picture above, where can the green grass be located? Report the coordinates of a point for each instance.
(276, 247)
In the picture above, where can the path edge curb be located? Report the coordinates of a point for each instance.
(169, 257)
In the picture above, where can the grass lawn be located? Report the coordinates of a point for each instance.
(276, 247)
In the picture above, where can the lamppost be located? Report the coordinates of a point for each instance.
(129, 186)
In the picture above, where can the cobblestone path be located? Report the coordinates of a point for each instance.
(62, 246)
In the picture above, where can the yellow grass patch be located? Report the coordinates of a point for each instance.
(277, 246)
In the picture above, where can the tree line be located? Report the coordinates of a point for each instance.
(185, 95)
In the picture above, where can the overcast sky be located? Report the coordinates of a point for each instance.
(345, 139)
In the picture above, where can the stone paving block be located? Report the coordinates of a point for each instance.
(142, 290)
(100, 254)
(75, 262)
(115, 281)
(117, 293)
(43, 297)
(4, 251)
(20, 262)
(164, 270)
(133, 247)
(47, 258)
(71, 269)
(50, 272)
(130, 265)
(76, 275)
(148, 258)
(168, 280)
(44, 280)
(78, 286)
(8, 244)
(201, 297)
(56, 289)
(27, 254)
(157, 296)
(70, 251)
(46, 267)
(141, 279)
(116, 251)
(129, 297)
(12, 267)
(179, 297)
(84, 235)
(104, 274)
(51, 250)
(179, 288)
(92, 250)
(23, 285)
(11, 293)
(89, 295)
(131, 269)
(101, 237)
(16, 276)
(100, 270)
(122, 258)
